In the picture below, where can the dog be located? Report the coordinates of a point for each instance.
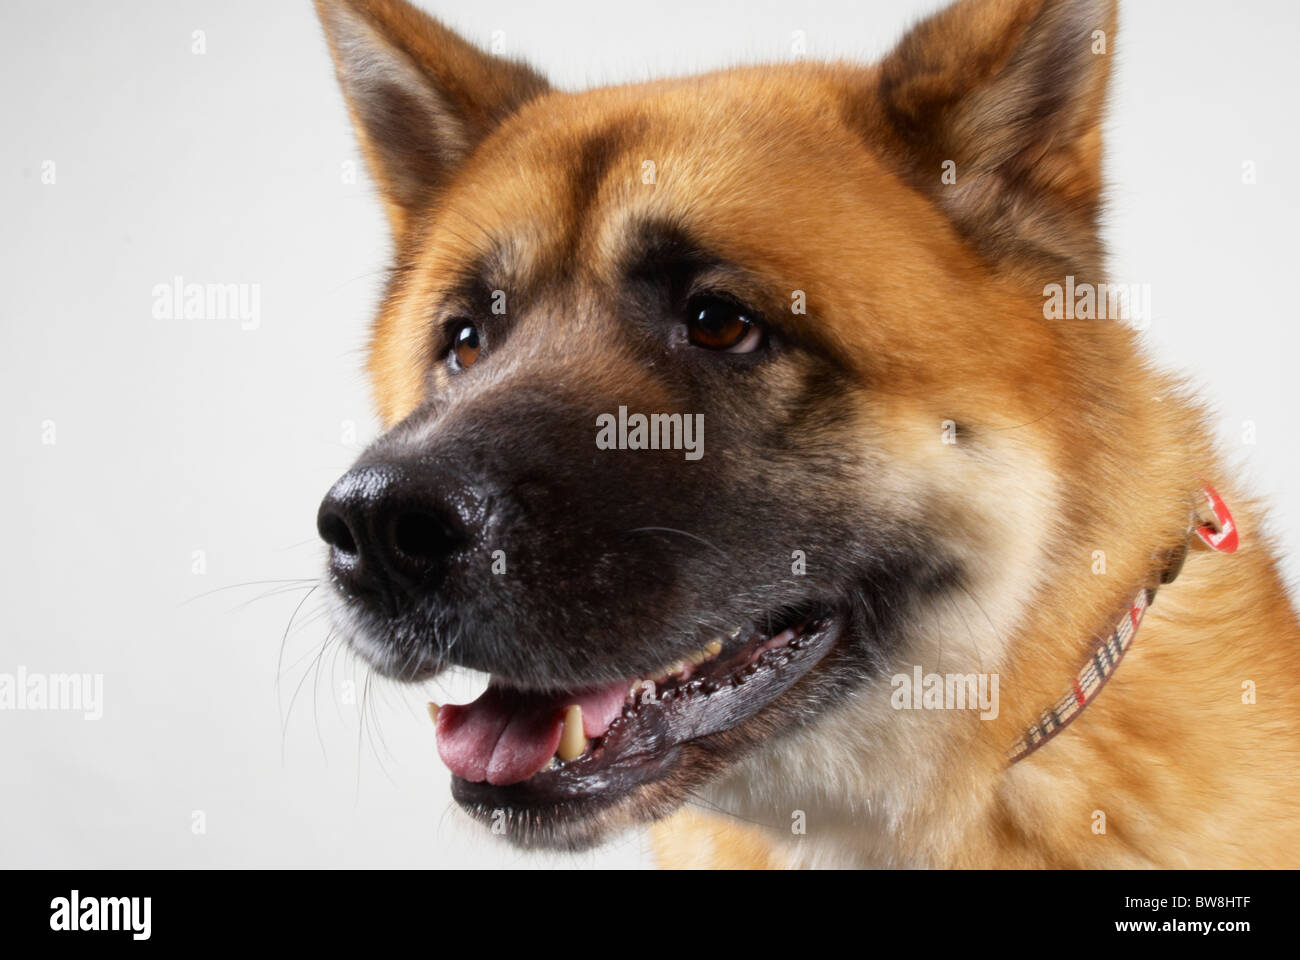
(728, 419)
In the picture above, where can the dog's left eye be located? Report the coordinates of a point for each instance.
(465, 344)
(717, 324)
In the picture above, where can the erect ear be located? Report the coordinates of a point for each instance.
(1012, 92)
(420, 96)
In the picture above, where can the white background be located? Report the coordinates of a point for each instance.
(175, 436)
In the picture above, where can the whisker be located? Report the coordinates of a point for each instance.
(279, 660)
(684, 533)
(361, 726)
(301, 581)
(315, 691)
(706, 804)
(275, 592)
(297, 689)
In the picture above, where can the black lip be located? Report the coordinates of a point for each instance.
(644, 744)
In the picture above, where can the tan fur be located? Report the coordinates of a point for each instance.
(696, 840)
(799, 172)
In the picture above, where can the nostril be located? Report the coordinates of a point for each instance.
(421, 536)
(392, 532)
(334, 531)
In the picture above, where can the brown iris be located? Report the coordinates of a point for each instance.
(465, 345)
(716, 324)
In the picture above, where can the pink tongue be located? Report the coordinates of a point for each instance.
(505, 736)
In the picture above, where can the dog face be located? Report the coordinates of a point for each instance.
(827, 328)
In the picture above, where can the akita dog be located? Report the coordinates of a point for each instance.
(921, 521)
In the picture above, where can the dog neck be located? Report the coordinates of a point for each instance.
(917, 788)
(1210, 527)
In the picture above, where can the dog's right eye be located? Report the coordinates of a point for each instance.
(465, 344)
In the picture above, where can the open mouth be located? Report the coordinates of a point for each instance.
(578, 750)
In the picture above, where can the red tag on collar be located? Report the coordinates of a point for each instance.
(1224, 539)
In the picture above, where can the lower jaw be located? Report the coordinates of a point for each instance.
(653, 755)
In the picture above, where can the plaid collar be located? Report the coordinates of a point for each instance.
(1216, 532)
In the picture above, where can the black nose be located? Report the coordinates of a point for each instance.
(390, 532)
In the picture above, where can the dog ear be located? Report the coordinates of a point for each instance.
(420, 96)
(995, 108)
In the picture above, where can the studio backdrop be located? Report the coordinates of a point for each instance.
(166, 461)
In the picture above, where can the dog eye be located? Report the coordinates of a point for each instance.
(717, 324)
(465, 344)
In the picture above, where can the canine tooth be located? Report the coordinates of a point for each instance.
(433, 711)
(573, 742)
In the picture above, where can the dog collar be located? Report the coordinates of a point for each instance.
(1210, 527)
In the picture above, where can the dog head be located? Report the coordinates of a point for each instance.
(706, 383)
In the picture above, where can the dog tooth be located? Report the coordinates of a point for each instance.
(676, 668)
(714, 647)
(573, 741)
(433, 711)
